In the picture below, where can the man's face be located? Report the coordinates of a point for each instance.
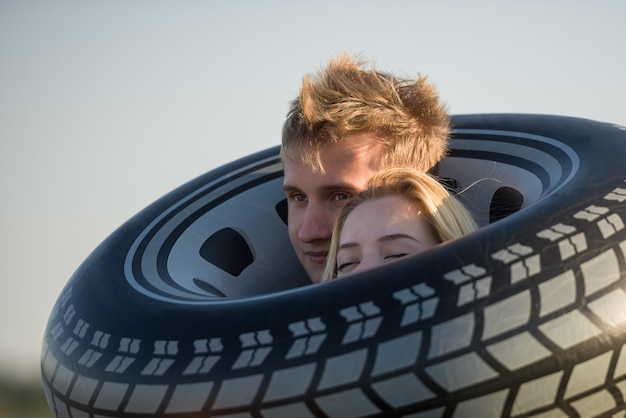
(314, 199)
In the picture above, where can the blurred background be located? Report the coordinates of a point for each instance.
(105, 106)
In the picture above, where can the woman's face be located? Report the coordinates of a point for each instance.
(380, 231)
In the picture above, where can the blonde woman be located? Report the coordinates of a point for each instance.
(401, 212)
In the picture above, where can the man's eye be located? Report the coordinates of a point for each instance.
(299, 197)
(342, 196)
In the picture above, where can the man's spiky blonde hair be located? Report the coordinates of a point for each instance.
(347, 97)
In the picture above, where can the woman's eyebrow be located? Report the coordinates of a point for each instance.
(384, 238)
(392, 237)
(347, 245)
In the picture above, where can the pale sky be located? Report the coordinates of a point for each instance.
(105, 106)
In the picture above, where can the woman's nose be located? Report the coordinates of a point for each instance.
(368, 262)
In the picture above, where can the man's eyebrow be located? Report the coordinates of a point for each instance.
(327, 187)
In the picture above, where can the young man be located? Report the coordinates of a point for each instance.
(348, 122)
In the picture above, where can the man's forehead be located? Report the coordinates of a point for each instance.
(337, 157)
(300, 164)
(362, 144)
(302, 177)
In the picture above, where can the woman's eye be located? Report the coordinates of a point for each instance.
(342, 196)
(346, 267)
(398, 255)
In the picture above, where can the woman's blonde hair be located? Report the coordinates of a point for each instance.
(347, 98)
(446, 215)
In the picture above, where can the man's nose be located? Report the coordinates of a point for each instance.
(316, 225)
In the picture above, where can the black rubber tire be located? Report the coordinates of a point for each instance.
(524, 317)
